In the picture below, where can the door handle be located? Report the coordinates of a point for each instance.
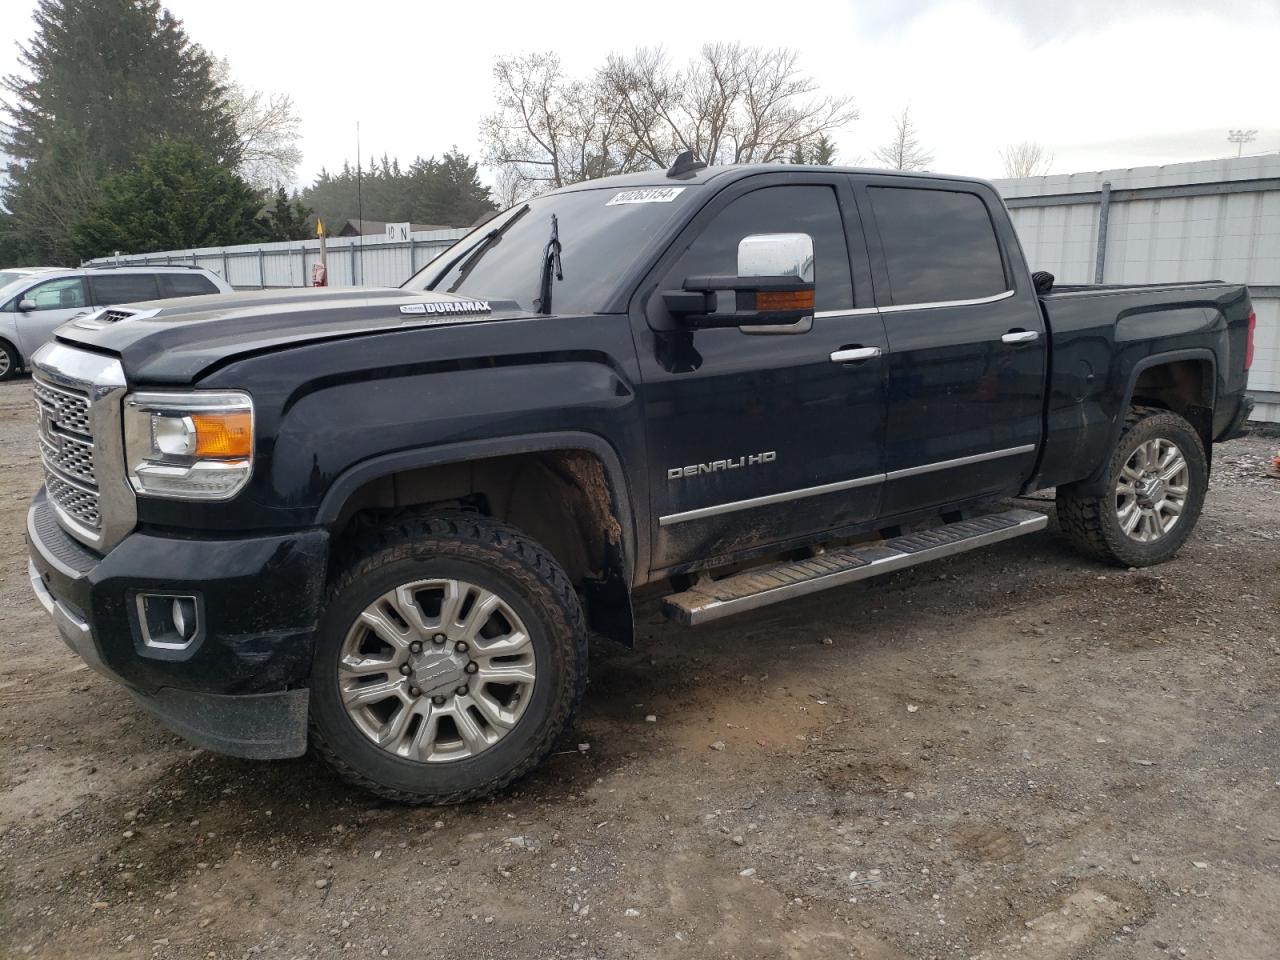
(855, 354)
(1020, 336)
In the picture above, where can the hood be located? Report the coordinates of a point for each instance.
(173, 341)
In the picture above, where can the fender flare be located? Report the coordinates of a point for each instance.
(634, 549)
(1095, 484)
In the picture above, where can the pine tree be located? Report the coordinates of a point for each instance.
(121, 74)
(444, 191)
(174, 197)
(288, 218)
(102, 81)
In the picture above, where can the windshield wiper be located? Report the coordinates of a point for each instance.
(473, 253)
(550, 262)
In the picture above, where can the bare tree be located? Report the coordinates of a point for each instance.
(267, 128)
(1026, 159)
(548, 130)
(904, 151)
(731, 104)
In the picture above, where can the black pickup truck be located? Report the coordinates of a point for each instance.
(381, 522)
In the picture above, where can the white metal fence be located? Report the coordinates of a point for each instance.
(353, 261)
(1216, 220)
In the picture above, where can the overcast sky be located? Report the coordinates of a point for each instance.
(1102, 83)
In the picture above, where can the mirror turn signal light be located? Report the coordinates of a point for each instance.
(784, 300)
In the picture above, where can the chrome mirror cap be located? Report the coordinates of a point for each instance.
(776, 255)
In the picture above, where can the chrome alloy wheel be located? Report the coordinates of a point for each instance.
(1152, 489)
(437, 670)
(4, 363)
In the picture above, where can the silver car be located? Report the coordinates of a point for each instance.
(36, 301)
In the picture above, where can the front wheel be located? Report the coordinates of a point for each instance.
(450, 658)
(10, 362)
(1157, 478)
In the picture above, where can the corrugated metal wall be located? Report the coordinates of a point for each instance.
(1217, 220)
(353, 261)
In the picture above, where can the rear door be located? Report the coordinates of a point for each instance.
(757, 437)
(966, 361)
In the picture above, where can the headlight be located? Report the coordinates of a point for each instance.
(194, 445)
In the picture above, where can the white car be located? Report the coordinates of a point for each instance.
(35, 301)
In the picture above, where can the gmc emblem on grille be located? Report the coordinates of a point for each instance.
(45, 423)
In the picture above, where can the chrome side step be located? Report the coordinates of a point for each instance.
(763, 586)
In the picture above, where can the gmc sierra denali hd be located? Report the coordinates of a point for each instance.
(379, 521)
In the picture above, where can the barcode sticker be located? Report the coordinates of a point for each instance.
(645, 195)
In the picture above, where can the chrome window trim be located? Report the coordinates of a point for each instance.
(978, 301)
(772, 498)
(854, 312)
(101, 379)
(961, 461)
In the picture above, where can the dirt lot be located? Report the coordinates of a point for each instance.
(1014, 753)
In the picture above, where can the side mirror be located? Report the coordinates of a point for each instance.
(26, 306)
(774, 285)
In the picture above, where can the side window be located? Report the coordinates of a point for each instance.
(782, 209)
(938, 245)
(112, 288)
(66, 293)
(185, 284)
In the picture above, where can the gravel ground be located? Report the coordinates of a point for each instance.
(1013, 753)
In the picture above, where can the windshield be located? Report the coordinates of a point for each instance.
(601, 231)
(8, 276)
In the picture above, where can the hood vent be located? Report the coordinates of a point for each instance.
(104, 318)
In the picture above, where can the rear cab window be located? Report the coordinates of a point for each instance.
(939, 245)
(115, 288)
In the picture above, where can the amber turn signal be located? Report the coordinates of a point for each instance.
(784, 300)
(223, 435)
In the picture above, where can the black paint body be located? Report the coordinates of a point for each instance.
(346, 389)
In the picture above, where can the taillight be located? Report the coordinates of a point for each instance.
(1248, 344)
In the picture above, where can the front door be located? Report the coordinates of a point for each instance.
(54, 303)
(759, 436)
(966, 362)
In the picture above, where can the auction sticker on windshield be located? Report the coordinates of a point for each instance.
(645, 195)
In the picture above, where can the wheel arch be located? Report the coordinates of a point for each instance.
(1181, 381)
(566, 490)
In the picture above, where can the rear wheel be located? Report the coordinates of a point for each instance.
(1157, 478)
(451, 657)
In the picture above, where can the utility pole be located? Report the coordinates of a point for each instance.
(1240, 138)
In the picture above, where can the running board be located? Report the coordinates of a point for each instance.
(752, 589)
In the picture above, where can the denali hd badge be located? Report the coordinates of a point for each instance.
(447, 307)
(715, 466)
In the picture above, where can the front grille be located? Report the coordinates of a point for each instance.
(75, 458)
(69, 410)
(66, 451)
